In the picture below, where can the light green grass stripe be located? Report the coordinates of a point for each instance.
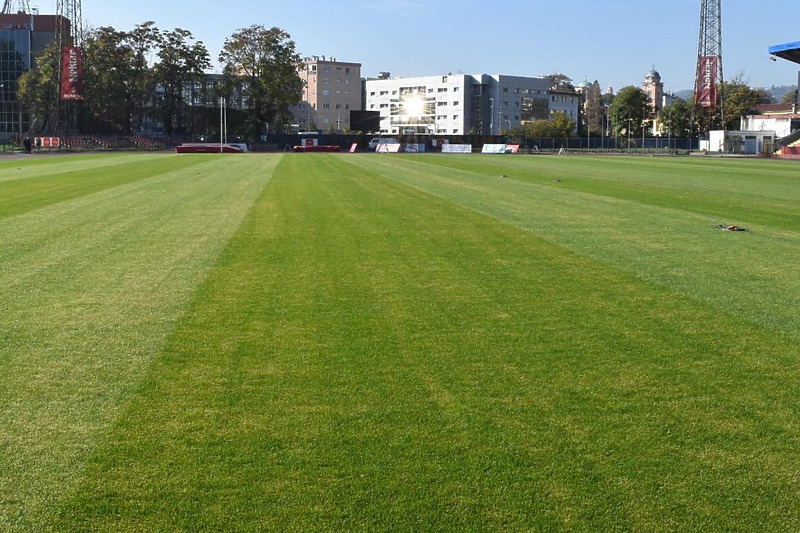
(25, 195)
(368, 357)
(59, 164)
(753, 275)
(763, 191)
(89, 289)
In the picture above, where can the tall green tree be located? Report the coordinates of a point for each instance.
(677, 118)
(180, 67)
(267, 63)
(630, 110)
(37, 91)
(143, 40)
(108, 71)
(740, 100)
(560, 82)
(593, 109)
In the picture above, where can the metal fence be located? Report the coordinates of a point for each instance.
(284, 142)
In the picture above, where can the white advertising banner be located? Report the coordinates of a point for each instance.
(389, 148)
(457, 149)
(494, 149)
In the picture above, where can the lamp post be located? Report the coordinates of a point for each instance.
(630, 120)
(3, 112)
(604, 129)
(491, 116)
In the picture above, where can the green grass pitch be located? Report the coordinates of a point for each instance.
(309, 342)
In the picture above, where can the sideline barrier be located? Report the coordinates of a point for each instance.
(456, 148)
(319, 148)
(207, 149)
(512, 148)
(395, 148)
(494, 149)
(388, 148)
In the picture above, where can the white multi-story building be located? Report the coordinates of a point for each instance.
(456, 104)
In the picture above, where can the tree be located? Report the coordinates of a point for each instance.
(560, 82)
(593, 109)
(741, 100)
(677, 118)
(180, 66)
(142, 40)
(629, 111)
(267, 62)
(37, 90)
(790, 98)
(108, 71)
(560, 126)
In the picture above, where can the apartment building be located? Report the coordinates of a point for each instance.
(332, 90)
(456, 104)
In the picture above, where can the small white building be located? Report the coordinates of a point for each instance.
(783, 119)
(457, 104)
(740, 142)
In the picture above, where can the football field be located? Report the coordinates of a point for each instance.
(369, 342)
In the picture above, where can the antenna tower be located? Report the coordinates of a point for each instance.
(11, 7)
(709, 88)
(69, 33)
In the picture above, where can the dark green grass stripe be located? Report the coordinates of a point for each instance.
(25, 195)
(365, 357)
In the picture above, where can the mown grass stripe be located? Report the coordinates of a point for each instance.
(24, 195)
(751, 275)
(89, 289)
(37, 166)
(366, 357)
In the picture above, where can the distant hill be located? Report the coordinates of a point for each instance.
(776, 91)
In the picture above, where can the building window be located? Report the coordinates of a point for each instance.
(455, 103)
(444, 79)
(456, 89)
(347, 70)
(442, 89)
(326, 92)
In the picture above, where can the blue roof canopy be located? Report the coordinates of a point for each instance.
(789, 51)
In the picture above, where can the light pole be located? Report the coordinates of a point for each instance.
(491, 116)
(604, 129)
(3, 112)
(629, 132)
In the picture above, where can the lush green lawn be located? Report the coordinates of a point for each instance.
(374, 343)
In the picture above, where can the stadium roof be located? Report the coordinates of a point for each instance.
(789, 51)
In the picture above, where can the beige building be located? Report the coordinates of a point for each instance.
(654, 88)
(332, 90)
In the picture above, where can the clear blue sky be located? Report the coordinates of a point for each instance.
(613, 41)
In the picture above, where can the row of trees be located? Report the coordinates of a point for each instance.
(152, 75)
(630, 111)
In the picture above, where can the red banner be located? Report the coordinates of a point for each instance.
(705, 91)
(71, 74)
